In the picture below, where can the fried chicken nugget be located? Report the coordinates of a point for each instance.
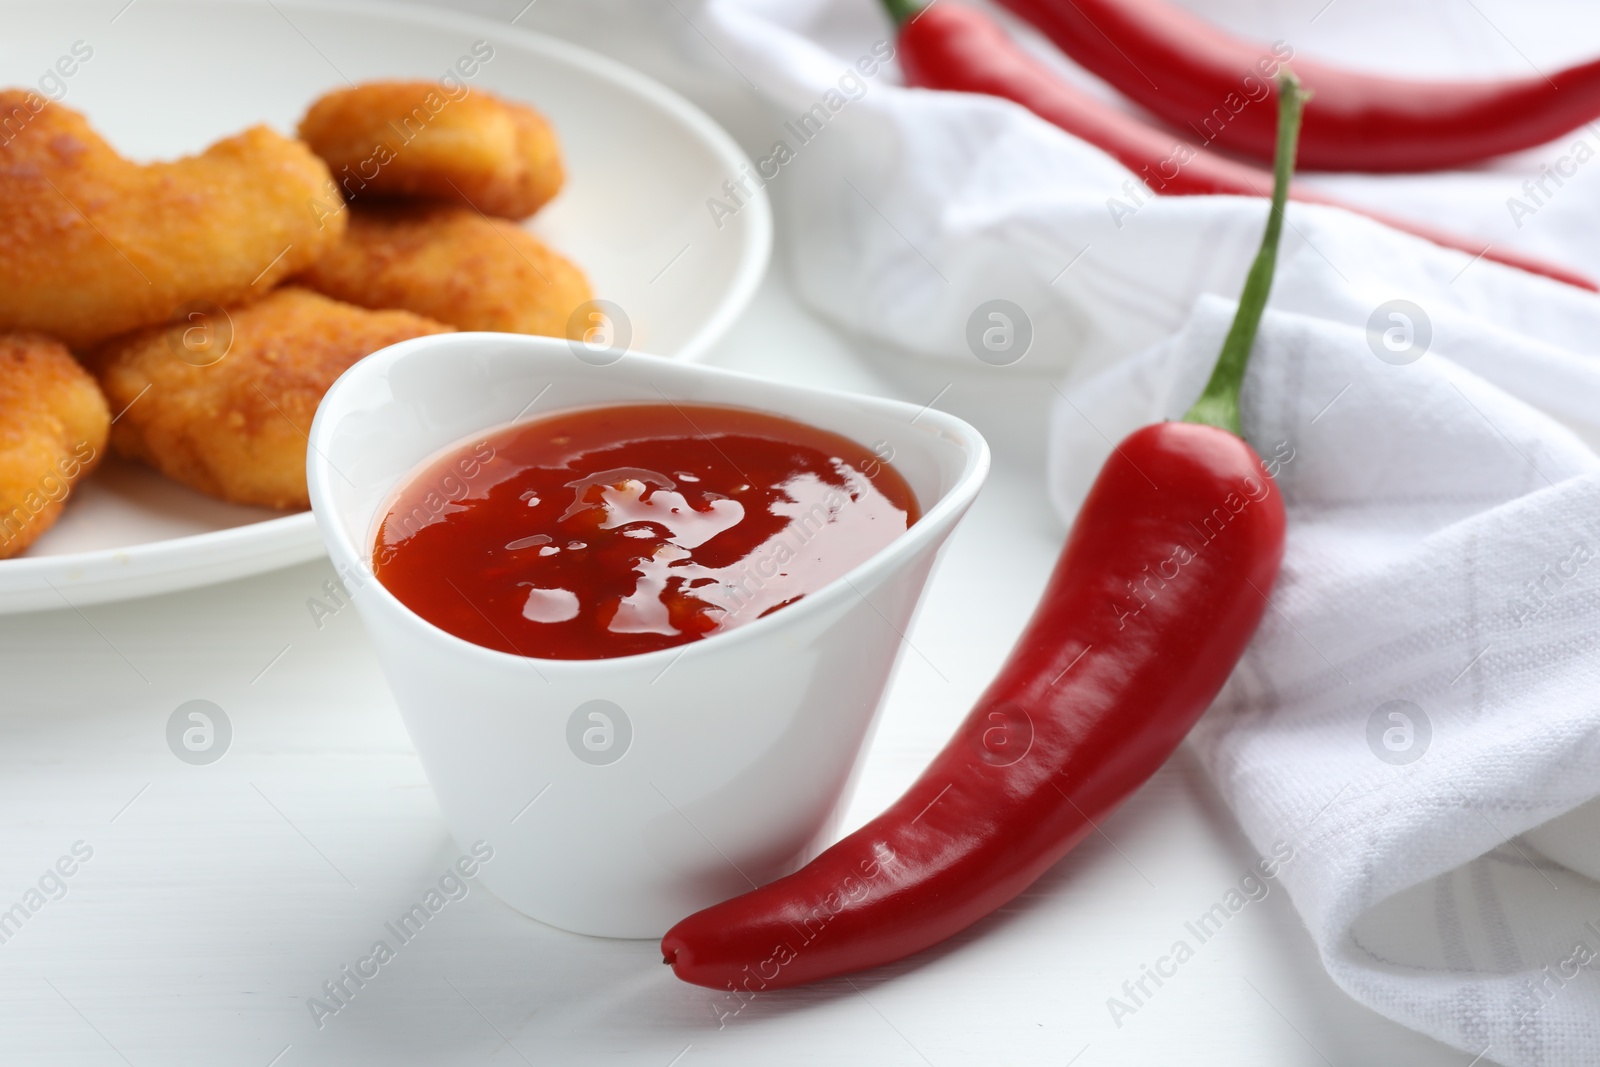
(454, 265)
(235, 426)
(426, 139)
(53, 423)
(92, 244)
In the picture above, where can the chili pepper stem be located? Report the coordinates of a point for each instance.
(903, 11)
(1219, 403)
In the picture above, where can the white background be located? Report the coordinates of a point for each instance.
(219, 898)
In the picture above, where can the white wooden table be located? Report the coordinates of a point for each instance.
(219, 898)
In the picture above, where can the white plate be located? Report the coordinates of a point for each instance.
(168, 77)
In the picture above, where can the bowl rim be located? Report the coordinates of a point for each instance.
(934, 524)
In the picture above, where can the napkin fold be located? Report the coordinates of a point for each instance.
(1420, 712)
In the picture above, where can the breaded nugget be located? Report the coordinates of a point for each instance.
(92, 244)
(426, 139)
(236, 427)
(53, 423)
(451, 264)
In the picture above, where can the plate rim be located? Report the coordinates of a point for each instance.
(169, 564)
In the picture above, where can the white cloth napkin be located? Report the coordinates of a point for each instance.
(1427, 685)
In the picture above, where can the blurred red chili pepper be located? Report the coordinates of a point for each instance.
(1158, 590)
(1185, 70)
(950, 46)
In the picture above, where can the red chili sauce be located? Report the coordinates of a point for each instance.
(617, 530)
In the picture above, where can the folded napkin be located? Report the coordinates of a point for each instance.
(1426, 686)
(1420, 712)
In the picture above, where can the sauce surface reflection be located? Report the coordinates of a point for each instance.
(612, 531)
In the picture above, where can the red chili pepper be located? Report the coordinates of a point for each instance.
(1186, 71)
(948, 46)
(1158, 590)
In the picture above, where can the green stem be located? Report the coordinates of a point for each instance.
(903, 11)
(1219, 404)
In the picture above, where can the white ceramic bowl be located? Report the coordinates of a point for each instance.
(711, 767)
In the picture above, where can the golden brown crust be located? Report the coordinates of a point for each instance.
(92, 244)
(453, 265)
(236, 427)
(423, 139)
(53, 423)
